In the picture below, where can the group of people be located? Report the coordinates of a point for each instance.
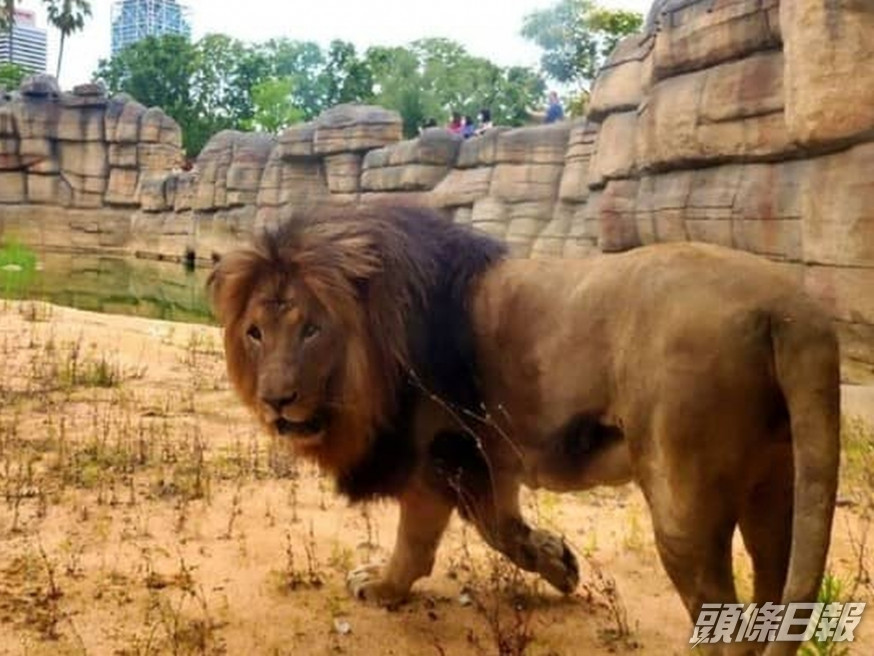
(467, 127)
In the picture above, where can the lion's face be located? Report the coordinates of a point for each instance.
(315, 333)
(295, 355)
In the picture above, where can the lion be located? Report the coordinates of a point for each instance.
(412, 359)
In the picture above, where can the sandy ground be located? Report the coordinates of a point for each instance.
(144, 514)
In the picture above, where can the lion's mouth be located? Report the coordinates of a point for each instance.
(309, 428)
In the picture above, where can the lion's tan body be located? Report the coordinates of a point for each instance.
(634, 338)
(675, 345)
(703, 374)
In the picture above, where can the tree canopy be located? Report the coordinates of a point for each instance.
(273, 105)
(434, 77)
(11, 75)
(68, 16)
(576, 36)
(219, 82)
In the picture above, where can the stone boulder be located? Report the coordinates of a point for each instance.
(518, 183)
(157, 127)
(122, 187)
(343, 173)
(543, 144)
(48, 190)
(463, 187)
(415, 165)
(696, 34)
(80, 149)
(621, 81)
(482, 150)
(574, 185)
(92, 94)
(248, 160)
(13, 188)
(289, 181)
(529, 163)
(157, 192)
(732, 110)
(829, 75)
(40, 85)
(616, 152)
(184, 197)
(353, 128)
(212, 167)
(435, 146)
(122, 120)
(298, 141)
(78, 122)
(836, 199)
(90, 90)
(36, 122)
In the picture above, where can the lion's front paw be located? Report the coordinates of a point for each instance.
(555, 561)
(367, 583)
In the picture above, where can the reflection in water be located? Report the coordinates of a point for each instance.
(158, 290)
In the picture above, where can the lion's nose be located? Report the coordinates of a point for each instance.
(279, 402)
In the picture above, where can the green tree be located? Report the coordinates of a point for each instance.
(158, 72)
(219, 82)
(300, 62)
(345, 78)
(11, 75)
(68, 16)
(576, 37)
(515, 91)
(205, 86)
(434, 77)
(398, 85)
(274, 106)
(319, 79)
(224, 72)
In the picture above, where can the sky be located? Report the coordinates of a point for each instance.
(487, 28)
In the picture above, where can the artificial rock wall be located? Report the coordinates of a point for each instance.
(748, 123)
(72, 165)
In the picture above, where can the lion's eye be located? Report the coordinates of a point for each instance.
(254, 333)
(310, 330)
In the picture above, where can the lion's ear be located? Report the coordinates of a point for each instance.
(231, 282)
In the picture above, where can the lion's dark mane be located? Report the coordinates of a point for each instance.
(427, 266)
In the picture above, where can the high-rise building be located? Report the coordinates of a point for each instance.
(25, 44)
(133, 20)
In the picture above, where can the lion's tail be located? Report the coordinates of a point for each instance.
(807, 366)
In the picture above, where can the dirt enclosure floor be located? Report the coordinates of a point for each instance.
(143, 513)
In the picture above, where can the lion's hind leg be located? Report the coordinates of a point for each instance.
(693, 501)
(694, 518)
(766, 524)
(696, 554)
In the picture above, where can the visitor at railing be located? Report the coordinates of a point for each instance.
(455, 125)
(554, 110)
(429, 123)
(468, 127)
(484, 118)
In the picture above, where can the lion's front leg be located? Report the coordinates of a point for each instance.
(546, 553)
(423, 519)
(499, 520)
